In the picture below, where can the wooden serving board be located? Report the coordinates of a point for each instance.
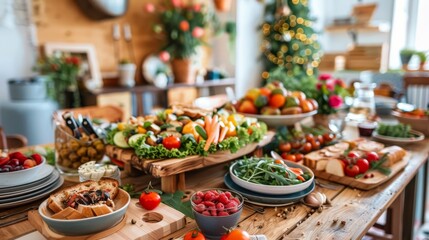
(151, 225)
(365, 183)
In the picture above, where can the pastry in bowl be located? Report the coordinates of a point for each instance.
(85, 208)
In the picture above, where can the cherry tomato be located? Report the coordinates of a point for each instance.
(315, 145)
(363, 165)
(149, 200)
(194, 235)
(285, 147)
(320, 139)
(307, 147)
(236, 234)
(171, 142)
(309, 137)
(372, 156)
(296, 145)
(328, 137)
(290, 157)
(352, 170)
(299, 156)
(353, 155)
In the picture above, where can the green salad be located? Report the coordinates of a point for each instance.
(398, 130)
(268, 171)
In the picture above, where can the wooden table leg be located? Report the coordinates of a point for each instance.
(397, 210)
(171, 184)
(409, 209)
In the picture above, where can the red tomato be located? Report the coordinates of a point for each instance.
(328, 137)
(307, 147)
(309, 137)
(171, 142)
(363, 165)
(290, 157)
(353, 155)
(149, 200)
(320, 139)
(352, 170)
(299, 156)
(194, 235)
(285, 147)
(236, 234)
(315, 145)
(372, 156)
(296, 145)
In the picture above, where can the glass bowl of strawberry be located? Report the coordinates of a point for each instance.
(216, 210)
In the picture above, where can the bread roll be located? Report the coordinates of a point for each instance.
(394, 155)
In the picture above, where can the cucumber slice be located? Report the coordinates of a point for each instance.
(119, 140)
(134, 138)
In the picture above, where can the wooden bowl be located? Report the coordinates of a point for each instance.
(420, 124)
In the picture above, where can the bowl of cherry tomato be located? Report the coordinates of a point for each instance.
(216, 210)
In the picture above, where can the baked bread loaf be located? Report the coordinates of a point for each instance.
(394, 155)
(87, 199)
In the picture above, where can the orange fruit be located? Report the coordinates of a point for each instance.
(265, 91)
(300, 95)
(247, 106)
(277, 101)
(306, 106)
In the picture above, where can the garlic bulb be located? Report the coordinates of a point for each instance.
(315, 199)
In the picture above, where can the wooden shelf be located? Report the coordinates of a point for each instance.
(358, 28)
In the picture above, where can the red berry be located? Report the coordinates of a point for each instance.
(200, 208)
(208, 204)
(207, 213)
(228, 195)
(36, 157)
(208, 196)
(18, 155)
(223, 213)
(213, 212)
(220, 206)
(223, 198)
(199, 194)
(236, 200)
(197, 200)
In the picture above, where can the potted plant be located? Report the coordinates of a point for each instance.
(406, 55)
(183, 28)
(62, 72)
(423, 57)
(127, 71)
(330, 97)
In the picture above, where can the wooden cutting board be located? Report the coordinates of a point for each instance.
(365, 183)
(150, 225)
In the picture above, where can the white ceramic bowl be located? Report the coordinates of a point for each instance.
(281, 120)
(21, 177)
(273, 190)
(87, 225)
(399, 141)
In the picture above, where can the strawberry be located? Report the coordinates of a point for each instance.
(18, 155)
(36, 157)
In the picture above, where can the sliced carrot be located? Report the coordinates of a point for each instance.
(297, 171)
(207, 123)
(278, 161)
(299, 177)
(223, 133)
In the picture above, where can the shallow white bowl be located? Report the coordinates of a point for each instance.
(281, 120)
(87, 225)
(8, 179)
(273, 190)
(399, 141)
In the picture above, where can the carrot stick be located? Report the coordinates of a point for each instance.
(215, 121)
(207, 123)
(216, 133)
(210, 139)
(223, 133)
(297, 171)
(299, 177)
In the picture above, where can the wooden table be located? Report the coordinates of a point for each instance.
(351, 215)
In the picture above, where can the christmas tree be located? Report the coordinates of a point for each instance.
(290, 49)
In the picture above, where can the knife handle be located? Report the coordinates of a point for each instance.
(71, 123)
(88, 128)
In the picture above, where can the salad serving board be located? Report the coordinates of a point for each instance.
(151, 225)
(365, 183)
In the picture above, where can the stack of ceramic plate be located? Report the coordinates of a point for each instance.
(34, 187)
(266, 195)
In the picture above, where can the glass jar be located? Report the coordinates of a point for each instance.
(71, 152)
(363, 106)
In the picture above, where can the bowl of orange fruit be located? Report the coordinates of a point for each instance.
(417, 118)
(275, 105)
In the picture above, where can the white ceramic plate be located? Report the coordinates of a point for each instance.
(24, 186)
(395, 140)
(151, 66)
(273, 190)
(45, 183)
(33, 197)
(281, 120)
(11, 179)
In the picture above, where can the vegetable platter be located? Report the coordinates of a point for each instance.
(181, 139)
(359, 163)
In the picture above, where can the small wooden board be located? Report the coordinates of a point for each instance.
(147, 224)
(365, 183)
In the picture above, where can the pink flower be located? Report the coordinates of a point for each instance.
(340, 83)
(319, 85)
(164, 56)
(184, 25)
(330, 84)
(335, 101)
(324, 77)
(197, 7)
(197, 32)
(150, 8)
(177, 3)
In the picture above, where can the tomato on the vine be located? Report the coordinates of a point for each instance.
(236, 234)
(149, 200)
(194, 235)
(299, 156)
(328, 137)
(290, 157)
(372, 157)
(307, 147)
(171, 142)
(363, 165)
(285, 147)
(352, 170)
(353, 155)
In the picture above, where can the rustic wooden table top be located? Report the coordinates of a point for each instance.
(357, 209)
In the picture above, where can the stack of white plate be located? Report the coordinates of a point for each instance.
(28, 189)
